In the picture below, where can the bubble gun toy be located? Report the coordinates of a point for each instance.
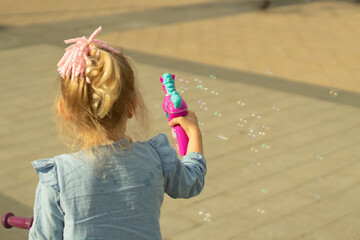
(174, 106)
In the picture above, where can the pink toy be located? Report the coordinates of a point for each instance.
(174, 106)
(9, 221)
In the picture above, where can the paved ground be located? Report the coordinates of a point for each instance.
(282, 152)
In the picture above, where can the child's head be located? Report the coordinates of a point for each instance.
(98, 95)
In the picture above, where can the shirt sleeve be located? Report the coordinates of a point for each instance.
(184, 178)
(48, 216)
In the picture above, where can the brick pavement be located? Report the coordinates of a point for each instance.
(20, 13)
(291, 42)
(297, 179)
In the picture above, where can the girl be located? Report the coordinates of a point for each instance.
(112, 187)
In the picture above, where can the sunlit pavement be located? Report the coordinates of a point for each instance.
(276, 93)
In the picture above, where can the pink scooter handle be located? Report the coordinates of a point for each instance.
(9, 220)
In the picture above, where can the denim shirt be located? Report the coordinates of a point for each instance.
(120, 201)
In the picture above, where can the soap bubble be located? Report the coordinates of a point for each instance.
(217, 114)
(213, 92)
(253, 149)
(333, 93)
(261, 211)
(181, 89)
(319, 157)
(242, 122)
(222, 138)
(257, 130)
(255, 164)
(264, 190)
(255, 115)
(206, 216)
(213, 76)
(315, 195)
(319, 179)
(275, 109)
(315, 232)
(202, 104)
(265, 146)
(241, 103)
(252, 134)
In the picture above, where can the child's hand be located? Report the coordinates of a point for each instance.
(189, 123)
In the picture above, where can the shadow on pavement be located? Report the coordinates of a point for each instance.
(269, 82)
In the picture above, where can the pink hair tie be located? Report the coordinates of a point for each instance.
(74, 59)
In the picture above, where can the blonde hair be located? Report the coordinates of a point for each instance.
(93, 114)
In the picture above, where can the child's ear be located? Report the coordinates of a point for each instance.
(63, 111)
